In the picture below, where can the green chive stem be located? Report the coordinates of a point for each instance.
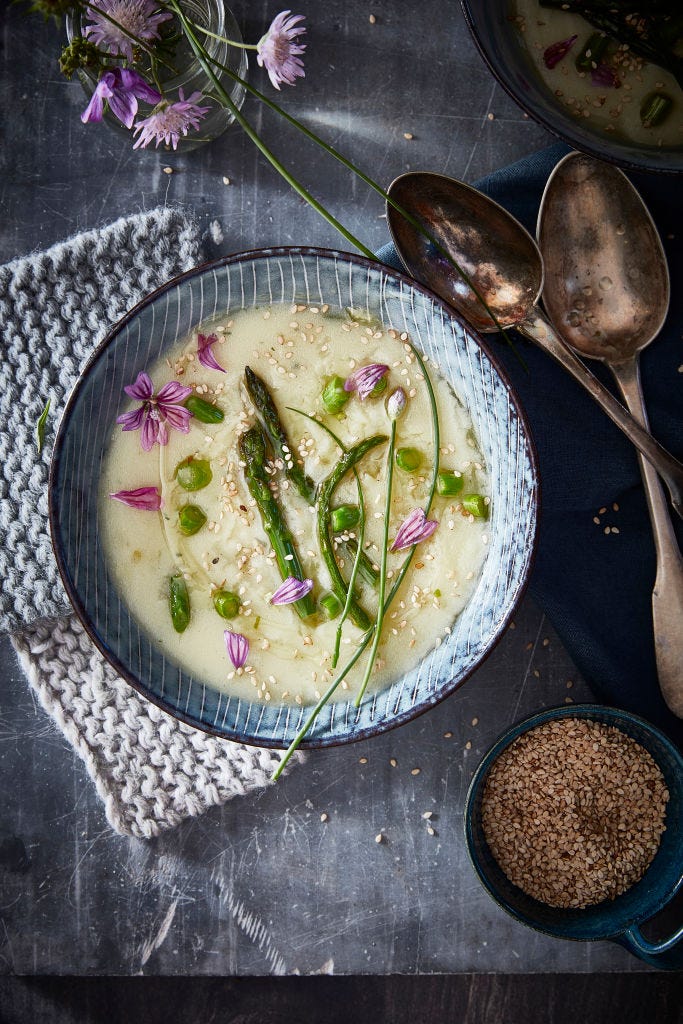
(382, 569)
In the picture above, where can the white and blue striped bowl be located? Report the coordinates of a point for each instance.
(311, 276)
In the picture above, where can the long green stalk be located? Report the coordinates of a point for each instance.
(382, 569)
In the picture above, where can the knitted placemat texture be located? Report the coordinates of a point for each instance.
(150, 770)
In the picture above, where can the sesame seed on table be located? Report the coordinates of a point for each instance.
(356, 858)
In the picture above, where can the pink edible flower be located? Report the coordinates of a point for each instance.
(146, 498)
(277, 51)
(365, 379)
(605, 77)
(414, 529)
(554, 54)
(121, 88)
(237, 646)
(139, 18)
(171, 120)
(291, 590)
(204, 353)
(157, 412)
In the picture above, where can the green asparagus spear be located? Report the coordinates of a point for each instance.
(350, 458)
(252, 449)
(270, 418)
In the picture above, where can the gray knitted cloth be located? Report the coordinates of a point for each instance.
(55, 307)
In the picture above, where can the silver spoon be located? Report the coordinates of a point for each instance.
(503, 263)
(606, 291)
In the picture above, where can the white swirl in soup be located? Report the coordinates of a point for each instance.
(615, 67)
(274, 459)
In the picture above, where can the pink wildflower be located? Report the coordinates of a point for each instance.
(278, 53)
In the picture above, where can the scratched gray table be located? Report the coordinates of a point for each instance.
(264, 885)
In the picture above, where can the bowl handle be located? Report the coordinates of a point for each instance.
(660, 954)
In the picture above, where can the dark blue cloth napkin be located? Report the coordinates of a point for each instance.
(595, 587)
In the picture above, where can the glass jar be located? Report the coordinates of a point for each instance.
(214, 16)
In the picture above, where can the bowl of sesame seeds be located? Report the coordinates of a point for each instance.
(608, 82)
(574, 825)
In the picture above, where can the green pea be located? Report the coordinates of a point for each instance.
(331, 605)
(655, 109)
(408, 459)
(190, 519)
(344, 517)
(476, 505)
(334, 396)
(591, 54)
(448, 483)
(193, 474)
(204, 411)
(179, 603)
(226, 604)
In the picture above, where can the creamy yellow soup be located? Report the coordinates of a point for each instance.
(294, 350)
(614, 111)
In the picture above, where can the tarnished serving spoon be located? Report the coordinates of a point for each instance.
(504, 264)
(606, 291)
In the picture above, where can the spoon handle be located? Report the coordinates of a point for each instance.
(538, 329)
(667, 596)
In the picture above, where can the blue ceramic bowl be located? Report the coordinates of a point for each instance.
(291, 275)
(502, 47)
(617, 919)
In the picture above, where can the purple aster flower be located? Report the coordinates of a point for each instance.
(171, 120)
(278, 53)
(554, 54)
(414, 529)
(121, 88)
(157, 412)
(139, 18)
(146, 498)
(238, 648)
(365, 379)
(204, 353)
(291, 590)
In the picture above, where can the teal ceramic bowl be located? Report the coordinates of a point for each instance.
(619, 919)
(261, 278)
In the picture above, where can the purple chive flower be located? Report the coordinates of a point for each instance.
(171, 120)
(146, 498)
(204, 353)
(365, 379)
(121, 88)
(238, 648)
(396, 404)
(605, 77)
(278, 52)
(414, 529)
(157, 412)
(139, 18)
(554, 54)
(291, 590)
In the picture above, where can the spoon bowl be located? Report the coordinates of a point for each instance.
(490, 246)
(607, 283)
